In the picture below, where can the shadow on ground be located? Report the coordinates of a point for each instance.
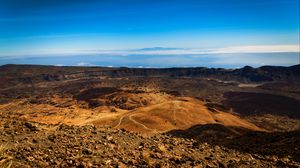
(282, 144)
(247, 103)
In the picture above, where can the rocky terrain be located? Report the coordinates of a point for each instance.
(26, 144)
(123, 117)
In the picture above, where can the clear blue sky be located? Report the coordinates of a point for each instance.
(58, 26)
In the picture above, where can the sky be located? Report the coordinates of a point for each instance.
(144, 33)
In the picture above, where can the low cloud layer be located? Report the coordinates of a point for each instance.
(229, 57)
(228, 60)
(163, 51)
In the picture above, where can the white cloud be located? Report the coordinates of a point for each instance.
(84, 64)
(258, 49)
(161, 51)
(254, 59)
(225, 50)
(59, 65)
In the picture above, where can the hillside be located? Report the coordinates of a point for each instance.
(220, 110)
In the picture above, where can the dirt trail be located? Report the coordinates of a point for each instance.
(120, 121)
(138, 123)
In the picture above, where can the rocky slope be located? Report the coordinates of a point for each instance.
(27, 144)
(126, 117)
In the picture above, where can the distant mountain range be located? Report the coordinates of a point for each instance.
(27, 73)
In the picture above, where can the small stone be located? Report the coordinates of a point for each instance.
(87, 151)
(286, 159)
(52, 138)
(30, 158)
(222, 165)
(31, 127)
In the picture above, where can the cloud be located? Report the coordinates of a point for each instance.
(225, 50)
(259, 49)
(160, 51)
(59, 65)
(84, 64)
(205, 60)
(255, 59)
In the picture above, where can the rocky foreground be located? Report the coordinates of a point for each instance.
(25, 144)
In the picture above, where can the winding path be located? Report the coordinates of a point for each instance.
(120, 121)
(175, 107)
(135, 122)
(138, 123)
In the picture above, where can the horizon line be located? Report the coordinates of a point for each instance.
(242, 49)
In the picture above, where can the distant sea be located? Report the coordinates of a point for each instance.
(160, 61)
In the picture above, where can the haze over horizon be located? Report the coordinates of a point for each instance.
(140, 33)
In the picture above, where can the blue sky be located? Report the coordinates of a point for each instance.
(30, 29)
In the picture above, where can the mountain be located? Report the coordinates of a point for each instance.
(246, 74)
(214, 117)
